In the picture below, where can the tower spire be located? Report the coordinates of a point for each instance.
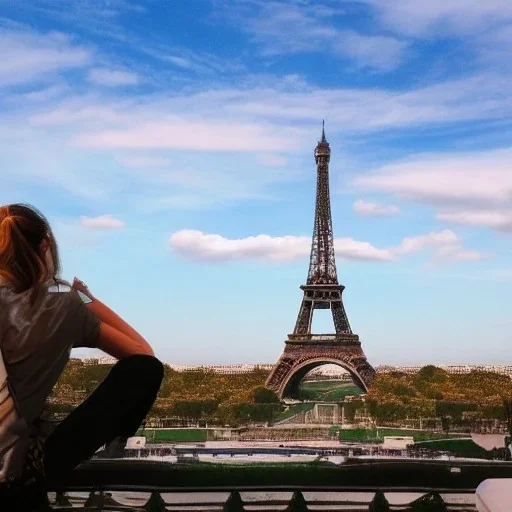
(323, 130)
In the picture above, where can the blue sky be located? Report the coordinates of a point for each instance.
(171, 144)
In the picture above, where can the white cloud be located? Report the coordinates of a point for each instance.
(418, 17)
(189, 61)
(112, 77)
(381, 53)
(311, 27)
(27, 56)
(436, 238)
(143, 131)
(86, 111)
(186, 134)
(472, 188)
(370, 110)
(314, 30)
(178, 61)
(445, 245)
(349, 249)
(101, 222)
(100, 18)
(42, 95)
(453, 252)
(500, 220)
(375, 210)
(212, 247)
(273, 121)
(267, 119)
(200, 246)
(465, 178)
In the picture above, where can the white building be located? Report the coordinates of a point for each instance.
(327, 370)
(397, 443)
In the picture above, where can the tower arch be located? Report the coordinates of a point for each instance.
(290, 385)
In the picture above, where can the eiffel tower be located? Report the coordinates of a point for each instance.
(303, 350)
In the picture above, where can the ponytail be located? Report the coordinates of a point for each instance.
(22, 230)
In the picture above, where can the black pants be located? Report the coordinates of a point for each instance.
(115, 409)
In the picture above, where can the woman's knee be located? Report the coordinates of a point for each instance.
(142, 368)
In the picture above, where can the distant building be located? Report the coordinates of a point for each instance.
(456, 368)
(136, 442)
(100, 360)
(332, 371)
(397, 443)
(226, 369)
(335, 371)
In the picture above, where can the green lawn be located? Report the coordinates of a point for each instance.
(365, 435)
(457, 447)
(325, 385)
(417, 435)
(293, 410)
(327, 390)
(176, 435)
(337, 395)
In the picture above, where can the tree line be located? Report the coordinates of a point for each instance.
(237, 399)
(432, 392)
(202, 394)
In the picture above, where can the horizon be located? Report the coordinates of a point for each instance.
(171, 147)
(100, 356)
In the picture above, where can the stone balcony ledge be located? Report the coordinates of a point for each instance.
(426, 485)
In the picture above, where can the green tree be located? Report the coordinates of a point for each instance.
(453, 409)
(263, 395)
(429, 375)
(194, 409)
(507, 414)
(446, 423)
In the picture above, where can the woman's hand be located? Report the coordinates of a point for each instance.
(82, 287)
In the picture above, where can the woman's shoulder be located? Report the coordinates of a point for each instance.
(54, 294)
(54, 285)
(61, 292)
(61, 286)
(58, 286)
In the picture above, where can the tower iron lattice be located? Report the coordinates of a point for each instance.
(303, 349)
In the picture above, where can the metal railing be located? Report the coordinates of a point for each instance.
(356, 500)
(369, 486)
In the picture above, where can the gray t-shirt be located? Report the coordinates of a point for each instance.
(36, 341)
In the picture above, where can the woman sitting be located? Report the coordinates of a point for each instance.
(41, 319)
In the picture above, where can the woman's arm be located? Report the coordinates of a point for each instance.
(117, 337)
(119, 345)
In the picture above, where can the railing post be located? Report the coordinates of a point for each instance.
(94, 500)
(155, 503)
(62, 500)
(379, 503)
(100, 500)
(431, 502)
(234, 503)
(297, 503)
